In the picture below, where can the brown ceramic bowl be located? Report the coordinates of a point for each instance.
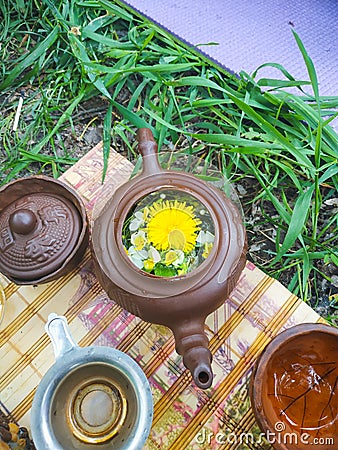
(43, 229)
(294, 389)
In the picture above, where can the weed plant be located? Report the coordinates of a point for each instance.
(57, 55)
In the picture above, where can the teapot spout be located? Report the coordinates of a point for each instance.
(198, 361)
(192, 344)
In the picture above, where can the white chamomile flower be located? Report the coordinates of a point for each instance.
(138, 220)
(138, 240)
(137, 256)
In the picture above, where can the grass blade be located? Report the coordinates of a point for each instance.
(35, 54)
(156, 68)
(133, 118)
(109, 42)
(309, 65)
(80, 53)
(275, 83)
(272, 131)
(297, 222)
(106, 139)
(197, 81)
(228, 139)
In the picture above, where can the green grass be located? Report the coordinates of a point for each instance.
(60, 54)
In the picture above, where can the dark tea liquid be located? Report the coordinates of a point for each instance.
(302, 388)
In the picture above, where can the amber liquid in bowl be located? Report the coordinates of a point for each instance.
(301, 388)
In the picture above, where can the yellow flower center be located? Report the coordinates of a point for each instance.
(139, 242)
(172, 225)
(148, 264)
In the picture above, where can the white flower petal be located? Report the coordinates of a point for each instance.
(209, 237)
(143, 254)
(139, 215)
(154, 255)
(131, 250)
(134, 225)
(180, 258)
(204, 237)
(201, 237)
(137, 261)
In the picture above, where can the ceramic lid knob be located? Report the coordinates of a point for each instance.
(23, 221)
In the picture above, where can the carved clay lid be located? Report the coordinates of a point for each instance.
(38, 231)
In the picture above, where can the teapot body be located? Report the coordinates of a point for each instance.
(180, 302)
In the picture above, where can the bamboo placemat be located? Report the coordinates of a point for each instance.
(184, 416)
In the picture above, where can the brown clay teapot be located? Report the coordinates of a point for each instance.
(155, 258)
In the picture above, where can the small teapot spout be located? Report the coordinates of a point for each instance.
(198, 361)
(192, 344)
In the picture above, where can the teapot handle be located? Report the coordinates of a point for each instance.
(147, 147)
(58, 331)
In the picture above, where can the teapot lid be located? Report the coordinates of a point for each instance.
(38, 232)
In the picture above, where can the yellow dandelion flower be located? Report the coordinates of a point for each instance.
(172, 225)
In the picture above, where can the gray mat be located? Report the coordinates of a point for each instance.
(252, 32)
